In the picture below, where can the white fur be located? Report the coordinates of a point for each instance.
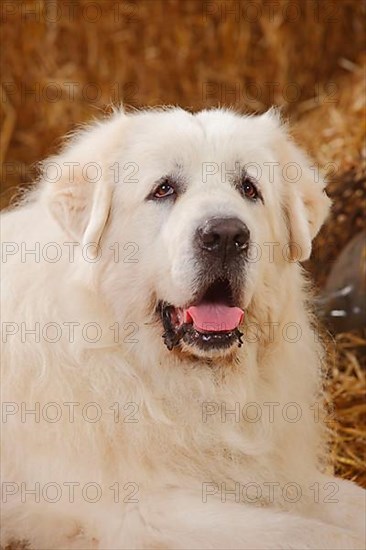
(172, 451)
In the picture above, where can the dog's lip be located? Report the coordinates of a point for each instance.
(208, 341)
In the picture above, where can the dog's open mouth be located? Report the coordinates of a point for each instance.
(210, 323)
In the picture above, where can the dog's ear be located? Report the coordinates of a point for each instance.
(306, 207)
(78, 182)
(79, 204)
(305, 202)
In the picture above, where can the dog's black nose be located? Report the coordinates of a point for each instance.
(223, 237)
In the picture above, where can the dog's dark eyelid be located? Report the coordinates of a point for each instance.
(168, 181)
(246, 178)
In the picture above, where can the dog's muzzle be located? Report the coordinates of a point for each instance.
(213, 317)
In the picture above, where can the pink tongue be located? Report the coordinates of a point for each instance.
(214, 317)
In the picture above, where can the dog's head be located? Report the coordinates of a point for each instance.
(197, 215)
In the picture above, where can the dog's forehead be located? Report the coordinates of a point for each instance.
(177, 137)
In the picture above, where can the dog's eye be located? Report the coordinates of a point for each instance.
(249, 189)
(164, 190)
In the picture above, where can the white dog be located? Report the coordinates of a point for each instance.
(161, 373)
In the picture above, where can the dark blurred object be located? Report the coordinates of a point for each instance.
(347, 219)
(343, 304)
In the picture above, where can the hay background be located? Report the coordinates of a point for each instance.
(198, 54)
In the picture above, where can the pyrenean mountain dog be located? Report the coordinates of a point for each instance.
(161, 372)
